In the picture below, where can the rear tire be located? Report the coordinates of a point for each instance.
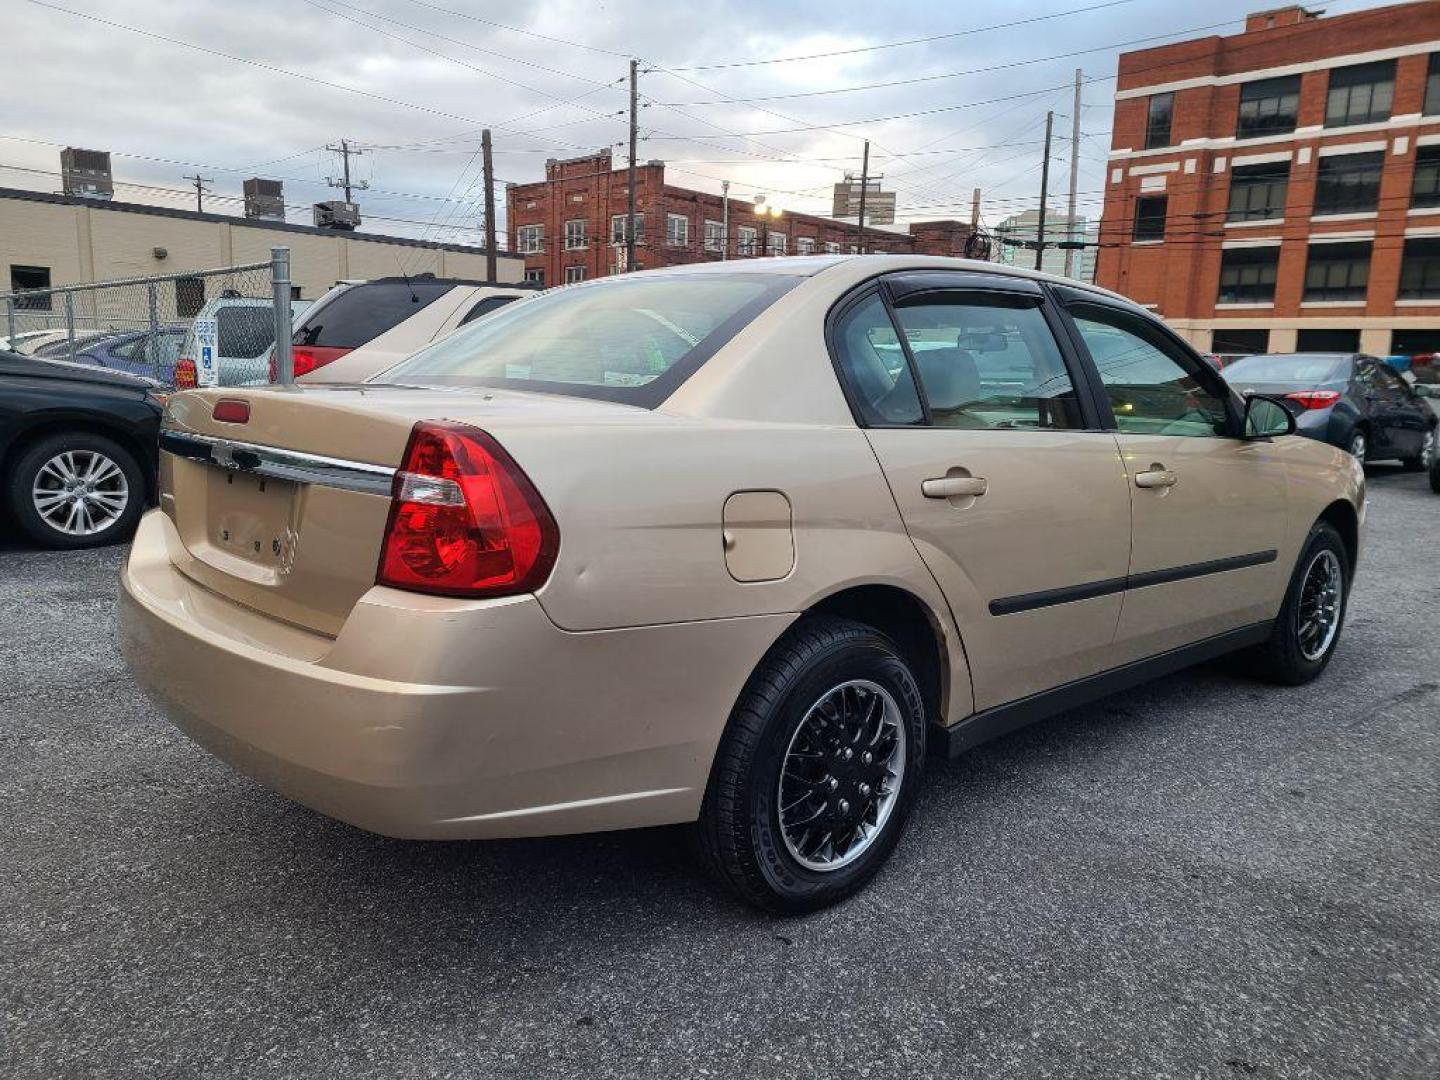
(1359, 445)
(833, 722)
(1310, 620)
(76, 490)
(1435, 475)
(1426, 458)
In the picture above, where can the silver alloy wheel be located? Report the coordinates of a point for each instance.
(1322, 596)
(1358, 446)
(80, 492)
(841, 775)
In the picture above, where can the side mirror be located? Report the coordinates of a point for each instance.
(1267, 417)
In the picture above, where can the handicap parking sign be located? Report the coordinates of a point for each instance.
(207, 344)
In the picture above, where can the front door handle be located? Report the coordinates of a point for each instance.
(1156, 476)
(953, 487)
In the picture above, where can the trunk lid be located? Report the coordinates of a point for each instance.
(286, 513)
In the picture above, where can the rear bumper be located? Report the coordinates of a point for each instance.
(433, 718)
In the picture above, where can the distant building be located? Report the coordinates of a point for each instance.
(571, 225)
(1025, 227)
(1279, 189)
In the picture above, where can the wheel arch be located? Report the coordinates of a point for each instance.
(1342, 515)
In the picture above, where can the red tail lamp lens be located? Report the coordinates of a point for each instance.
(466, 520)
(1314, 399)
(230, 411)
(184, 374)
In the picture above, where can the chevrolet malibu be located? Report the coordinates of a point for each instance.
(734, 545)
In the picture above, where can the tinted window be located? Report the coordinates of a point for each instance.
(31, 277)
(1420, 269)
(1360, 94)
(1299, 370)
(1425, 187)
(874, 366)
(245, 332)
(1230, 341)
(1158, 116)
(1247, 275)
(1268, 107)
(1348, 183)
(1327, 340)
(1258, 192)
(485, 306)
(1150, 213)
(623, 339)
(1432, 87)
(1151, 392)
(1337, 272)
(988, 362)
(364, 312)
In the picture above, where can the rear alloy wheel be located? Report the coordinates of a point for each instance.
(818, 768)
(1359, 446)
(1308, 626)
(76, 490)
(1426, 458)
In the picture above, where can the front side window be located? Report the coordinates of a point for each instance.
(1348, 183)
(677, 230)
(1247, 275)
(1257, 192)
(1360, 94)
(530, 239)
(1420, 269)
(617, 228)
(873, 364)
(630, 338)
(747, 236)
(575, 239)
(1150, 213)
(1160, 112)
(1151, 391)
(1268, 107)
(1425, 188)
(1337, 272)
(714, 236)
(988, 362)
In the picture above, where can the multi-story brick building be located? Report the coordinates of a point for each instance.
(1280, 188)
(571, 225)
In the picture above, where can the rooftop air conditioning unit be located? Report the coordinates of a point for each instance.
(337, 214)
(264, 199)
(87, 173)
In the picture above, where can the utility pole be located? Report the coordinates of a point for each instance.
(1044, 192)
(864, 184)
(489, 166)
(630, 177)
(1074, 172)
(346, 151)
(724, 220)
(200, 189)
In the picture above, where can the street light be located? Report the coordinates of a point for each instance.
(765, 213)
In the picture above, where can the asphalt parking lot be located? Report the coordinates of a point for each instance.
(1200, 878)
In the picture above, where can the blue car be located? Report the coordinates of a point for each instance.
(138, 352)
(1351, 401)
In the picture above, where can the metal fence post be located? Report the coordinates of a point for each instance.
(152, 353)
(10, 321)
(70, 325)
(280, 282)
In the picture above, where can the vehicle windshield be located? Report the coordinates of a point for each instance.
(629, 339)
(1286, 369)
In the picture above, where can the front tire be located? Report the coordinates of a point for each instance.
(76, 490)
(1426, 458)
(1307, 629)
(817, 771)
(1359, 445)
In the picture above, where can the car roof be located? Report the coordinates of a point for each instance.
(1307, 356)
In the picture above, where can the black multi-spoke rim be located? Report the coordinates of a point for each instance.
(1322, 593)
(841, 775)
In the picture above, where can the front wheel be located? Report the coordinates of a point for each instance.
(1359, 446)
(77, 490)
(818, 768)
(1308, 626)
(1426, 458)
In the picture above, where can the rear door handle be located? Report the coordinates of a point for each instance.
(953, 487)
(1155, 478)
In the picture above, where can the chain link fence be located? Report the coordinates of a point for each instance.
(183, 330)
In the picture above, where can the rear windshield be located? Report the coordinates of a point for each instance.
(364, 312)
(245, 332)
(1286, 369)
(625, 339)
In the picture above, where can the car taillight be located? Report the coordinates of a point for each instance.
(306, 359)
(184, 374)
(1314, 399)
(465, 520)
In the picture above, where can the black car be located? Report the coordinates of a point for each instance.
(79, 448)
(1355, 402)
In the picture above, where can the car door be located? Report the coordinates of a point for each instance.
(1397, 415)
(1013, 495)
(1208, 508)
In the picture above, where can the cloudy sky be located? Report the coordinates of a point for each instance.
(951, 96)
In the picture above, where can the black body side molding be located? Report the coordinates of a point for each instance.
(1002, 719)
(1013, 605)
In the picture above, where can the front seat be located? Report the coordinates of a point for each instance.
(951, 378)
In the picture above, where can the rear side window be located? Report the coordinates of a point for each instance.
(632, 340)
(485, 306)
(874, 366)
(245, 332)
(364, 312)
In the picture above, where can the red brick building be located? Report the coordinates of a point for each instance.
(571, 225)
(1280, 188)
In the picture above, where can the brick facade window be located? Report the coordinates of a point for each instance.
(1245, 342)
(535, 276)
(530, 239)
(1337, 271)
(1158, 119)
(1248, 275)
(1425, 189)
(1322, 339)
(714, 236)
(1150, 213)
(617, 228)
(1432, 87)
(832, 248)
(1348, 183)
(1420, 269)
(775, 243)
(1360, 94)
(575, 238)
(1268, 107)
(574, 274)
(804, 245)
(746, 245)
(1257, 192)
(677, 230)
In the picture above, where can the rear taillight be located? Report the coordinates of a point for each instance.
(465, 520)
(306, 359)
(1314, 399)
(184, 374)
(231, 411)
